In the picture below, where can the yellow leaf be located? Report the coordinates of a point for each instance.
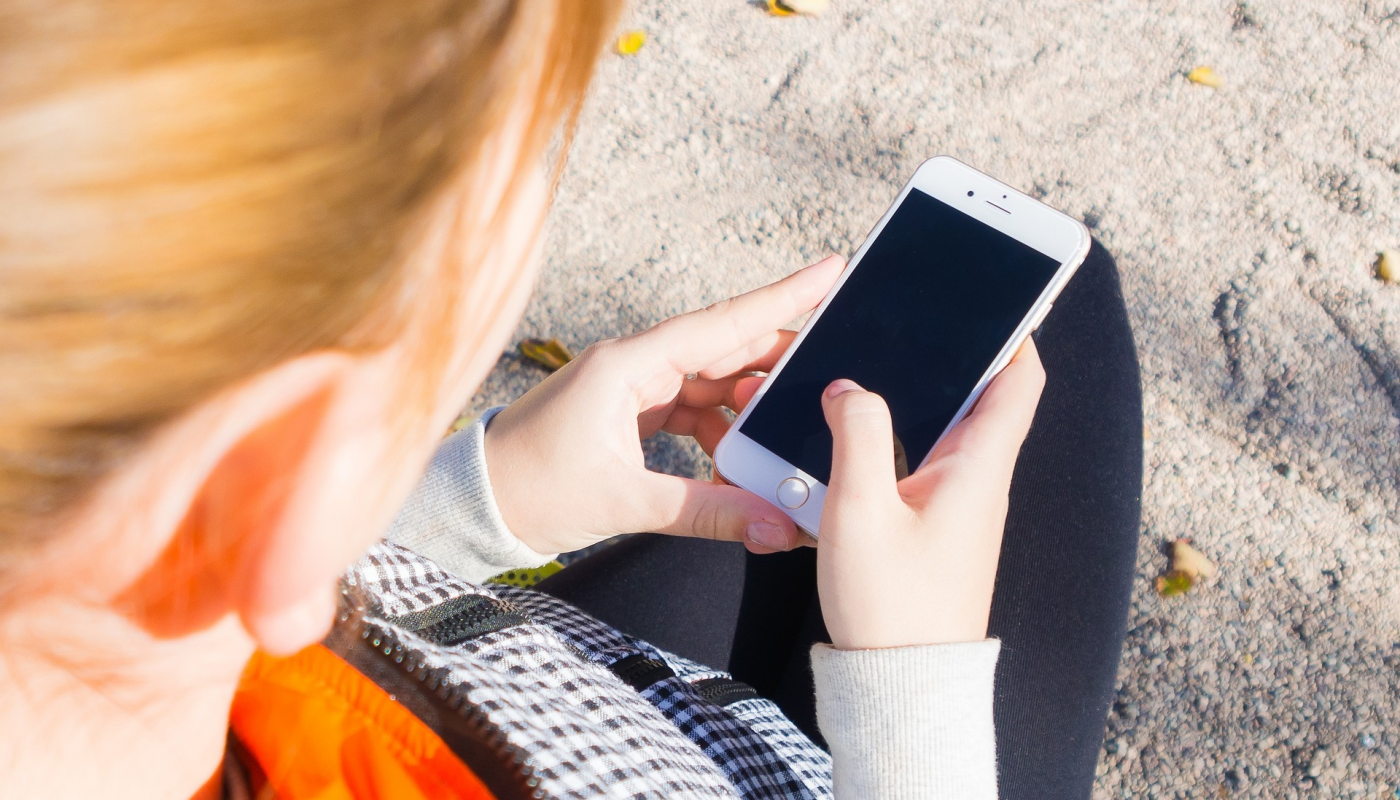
(462, 422)
(1174, 583)
(1205, 76)
(1192, 562)
(630, 42)
(1388, 266)
(525, 578)
(550, 354)
(812, 8)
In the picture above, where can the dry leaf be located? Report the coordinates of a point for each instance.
(1388, 266)
(1191, 561)
(550, 354)
(526, 578)
(1189, 567)
(630, 42)
(462, 422)
(1174, 583)
(1205, 76)
(811, 8)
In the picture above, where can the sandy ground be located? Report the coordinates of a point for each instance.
(736, 146)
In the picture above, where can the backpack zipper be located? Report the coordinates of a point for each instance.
(440, 704)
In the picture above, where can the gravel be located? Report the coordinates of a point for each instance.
(1246, 220)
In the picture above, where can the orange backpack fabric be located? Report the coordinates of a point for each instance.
(318, 729)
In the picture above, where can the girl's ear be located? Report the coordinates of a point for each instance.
(272, 489)
(256, 500)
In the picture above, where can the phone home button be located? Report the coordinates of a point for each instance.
(792, 492)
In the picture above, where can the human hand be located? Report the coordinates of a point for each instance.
(941, 526)
(565, 460)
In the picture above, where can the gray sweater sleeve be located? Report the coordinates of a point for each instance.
(909, 723)
(452, 517)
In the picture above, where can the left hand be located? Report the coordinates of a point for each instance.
(565, 460)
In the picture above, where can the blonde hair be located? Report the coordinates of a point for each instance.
(192, 191)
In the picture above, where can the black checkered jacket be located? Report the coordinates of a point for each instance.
(541, 700)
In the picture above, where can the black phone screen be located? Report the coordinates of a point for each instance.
(919, 321)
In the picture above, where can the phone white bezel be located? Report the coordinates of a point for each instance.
(747, 464)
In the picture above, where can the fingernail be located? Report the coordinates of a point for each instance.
(840, 386)
(767, 534)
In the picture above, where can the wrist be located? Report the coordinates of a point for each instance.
(903, 623)
(493, 432)
(909, 639)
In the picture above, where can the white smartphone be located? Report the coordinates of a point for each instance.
(949, 283)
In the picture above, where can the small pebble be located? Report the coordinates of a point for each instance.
(1368, 741)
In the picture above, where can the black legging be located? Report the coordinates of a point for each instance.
(1063, 584)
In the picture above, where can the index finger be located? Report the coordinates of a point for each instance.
(694, 341)
(1002, 417)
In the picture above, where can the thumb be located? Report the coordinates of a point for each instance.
(862, 452)
(685, 507)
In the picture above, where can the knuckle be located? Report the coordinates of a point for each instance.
(600, 350)
(611, 355)
(986, 450)
(720, 307)
(603, 360)
(707, 521)
(724, 313)
(971, 455)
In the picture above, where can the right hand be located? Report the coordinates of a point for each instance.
(939, 529)
(566, 460)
